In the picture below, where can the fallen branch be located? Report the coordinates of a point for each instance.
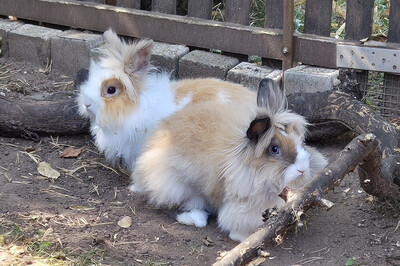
(43, 114)
(360, 149)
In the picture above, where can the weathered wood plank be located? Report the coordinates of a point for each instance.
(200, 8)
(273, 14)
(138, 23)
(189, 31)
(359, 19)
(237, 11)
(129, 3)
(318, 17)
(111, 2)
(164, 6)
(306, 52)
(288, 28)
(394, 21)
(273, 20)
(392, 82)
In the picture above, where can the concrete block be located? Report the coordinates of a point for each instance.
(5, 27)
(205, 64)
(310, 79)
(166, 56)
(248, 74)
(71, 50)
(31, 43)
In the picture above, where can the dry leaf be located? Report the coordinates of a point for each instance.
(70, 152)
(125, 222)
(17, 250)
(12, 18)
(46, 170)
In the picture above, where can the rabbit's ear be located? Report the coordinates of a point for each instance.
(270, 96)
(258, 127)
(112, 40)
(141, 59)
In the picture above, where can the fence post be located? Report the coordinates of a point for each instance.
(288, 27)
(359, 26)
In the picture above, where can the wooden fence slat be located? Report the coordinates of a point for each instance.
(392, 82)
(317, 18)
(111, 2)
(288, 28)
(200, 8)
(235, 38)
(273, 14)
(129, 3)
(394, 21)
(273, 20)
(164, 6)
(359, 17)
(237, 11)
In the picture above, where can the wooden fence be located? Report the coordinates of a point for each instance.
(275, 40)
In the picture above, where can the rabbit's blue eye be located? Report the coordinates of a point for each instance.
(275, 150)
(111, 90)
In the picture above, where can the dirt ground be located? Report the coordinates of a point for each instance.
(73, 219)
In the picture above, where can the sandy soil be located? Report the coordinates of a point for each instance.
(73, 219)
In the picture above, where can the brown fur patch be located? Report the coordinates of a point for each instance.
(208, 89)
(286, 145)
(119, 105)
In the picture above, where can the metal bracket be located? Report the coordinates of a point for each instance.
(368, 58)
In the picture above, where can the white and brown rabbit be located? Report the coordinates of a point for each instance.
(232, 159)
(125, 99)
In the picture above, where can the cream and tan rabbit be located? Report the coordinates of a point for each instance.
(125, 98)
(232, 159)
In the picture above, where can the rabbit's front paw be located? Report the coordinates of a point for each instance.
(194, 217)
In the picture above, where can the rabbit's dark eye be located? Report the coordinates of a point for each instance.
(111, 90)
(275, 150)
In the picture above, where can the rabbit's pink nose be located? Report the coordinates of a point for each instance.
(300, 171)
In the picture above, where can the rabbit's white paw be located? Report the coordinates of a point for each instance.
(194, 217)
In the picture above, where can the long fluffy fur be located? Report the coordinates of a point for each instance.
(121, 126)
(200, 160)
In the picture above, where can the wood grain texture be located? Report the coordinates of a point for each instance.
(317, 18)
(200, 8)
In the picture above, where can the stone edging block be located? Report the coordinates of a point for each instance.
(203, 64)
(31, 43)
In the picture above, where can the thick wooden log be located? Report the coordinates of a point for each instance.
(335, 106)
(41, 114)
(364, 148)
(341, 107)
